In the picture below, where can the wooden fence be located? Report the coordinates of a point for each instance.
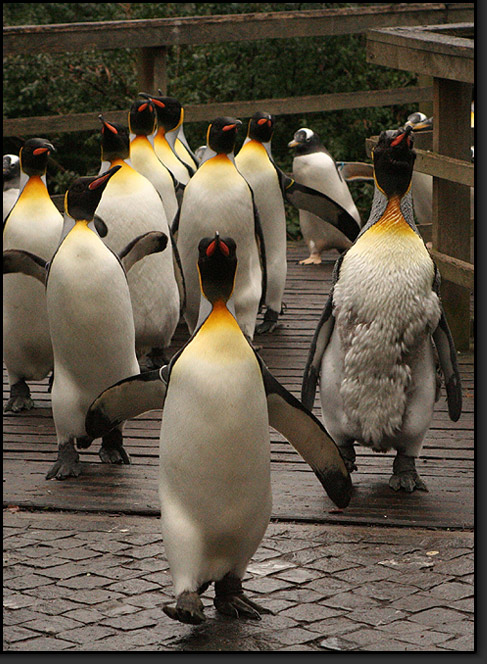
(152, 38)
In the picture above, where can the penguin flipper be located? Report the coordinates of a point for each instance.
(141, 246)
(18, 260)
(309, 437)
(126, 399)
(448, 361)
(318, 346)
(319, 204)
(356, 171)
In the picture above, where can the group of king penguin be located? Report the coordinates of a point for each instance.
(93, 298)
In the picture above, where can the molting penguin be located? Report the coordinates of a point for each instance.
(11, 182)
(166, 138)
(215, 486)
(142, 123)
(254, 161)
(130, 206)
(315, 167)
(33, 224)
(90, 320)
(374, 342)
(219, 198)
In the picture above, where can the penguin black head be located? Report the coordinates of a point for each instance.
(222, 133)
(115, 140)
(419, 122)
(142, 118)
(261, 127)
(217, 264)
(394, 161)
(84, 194)
(11, 170)
(34, 155)
(168, 110)
(306, 141)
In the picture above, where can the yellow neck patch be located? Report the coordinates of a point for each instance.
(392, 221)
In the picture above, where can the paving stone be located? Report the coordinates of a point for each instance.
(350, 600)
(337, 643)
(452, 591)
(43, 643)
(54, 605)
(94, 596)
(51, 624)
(136, 620)
(463, 644)
(132, 586)
(85, 582)
(382, 615)
(86, 633)
(27, 581)
(78, 553)
(420, 638)
(436, 616)
(17, 616)
(17, 600)
(14, 633)
(85, 616)
(310, 612)
(299, 575)
(294, 636)
(385, 590)
(467, 605)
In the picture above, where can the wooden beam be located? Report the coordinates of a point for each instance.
(206, 112)
(145, 33)
(423, 50)
(455, 270)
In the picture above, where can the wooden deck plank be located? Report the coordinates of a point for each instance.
(446, 463)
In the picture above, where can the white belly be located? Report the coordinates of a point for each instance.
(91, 327)
(215, 467)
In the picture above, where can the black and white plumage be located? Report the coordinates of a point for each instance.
(218, 400)
(218, 198)
(90, 320)
(11, 182)
(315, 167)
(375, 344)
(33, 224)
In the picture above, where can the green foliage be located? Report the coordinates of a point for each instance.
(101, 81)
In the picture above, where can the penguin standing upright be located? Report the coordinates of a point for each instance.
(219, 198)
(142, 122)
(254, 161)
(374, 342)
(90, 320)
(315, 167)
(33, 224)
(11, 182)
(130, 206)
(169, 123)
(218, 400)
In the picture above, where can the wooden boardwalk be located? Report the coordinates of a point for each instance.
(446, 463)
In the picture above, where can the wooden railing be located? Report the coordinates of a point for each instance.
(153, 37)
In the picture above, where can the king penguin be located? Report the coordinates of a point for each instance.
(90, 320)
(11, 182)
(254, 160)
(315, 167)
(218, 400)
(33, 224)
(166, 137)
(130, 206)
(218, 197)
(381, 327)
(142, 122)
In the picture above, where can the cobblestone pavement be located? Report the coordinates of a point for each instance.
(83, 582)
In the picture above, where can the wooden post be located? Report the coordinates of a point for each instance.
(151, 70)
(451, 201)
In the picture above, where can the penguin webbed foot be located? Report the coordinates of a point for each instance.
(348, 456)
(112, 449)
(188, 609)
(230, 600)
(405, 476)
(67, 463)
(20, 398)
(269, 323)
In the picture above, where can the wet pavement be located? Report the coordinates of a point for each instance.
(98, 582)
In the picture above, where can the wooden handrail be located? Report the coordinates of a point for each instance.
(144, 33)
